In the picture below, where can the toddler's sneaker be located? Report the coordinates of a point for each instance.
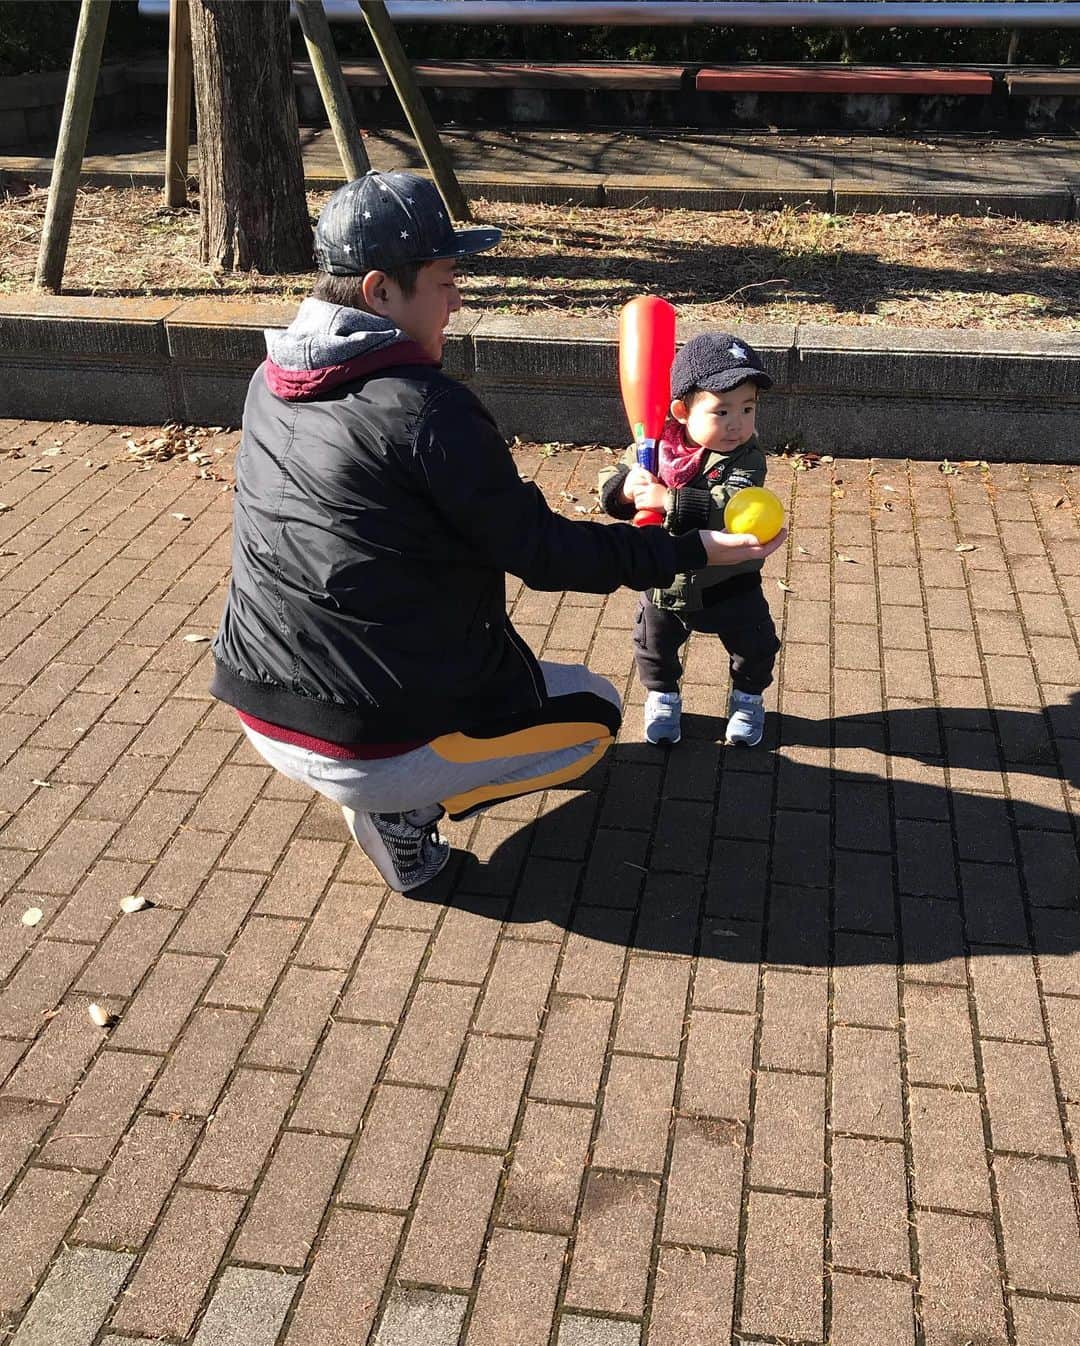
(404, 852)
(663, 717)
(746, 719)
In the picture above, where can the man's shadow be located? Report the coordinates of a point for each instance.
(969, 848)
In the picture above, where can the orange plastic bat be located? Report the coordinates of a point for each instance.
(646, 352)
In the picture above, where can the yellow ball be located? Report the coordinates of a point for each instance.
(754, 510)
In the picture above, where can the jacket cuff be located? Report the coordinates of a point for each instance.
(689, 508)
(690, 552)
(611, 497)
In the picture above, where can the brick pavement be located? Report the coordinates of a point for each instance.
(779, 1046)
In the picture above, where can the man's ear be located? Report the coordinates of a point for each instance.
(680, 410)
(373, 288)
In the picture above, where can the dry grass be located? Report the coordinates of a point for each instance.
(728, 267)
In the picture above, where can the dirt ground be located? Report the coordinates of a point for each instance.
(729, 266)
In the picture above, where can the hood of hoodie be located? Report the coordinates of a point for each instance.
(326, 345)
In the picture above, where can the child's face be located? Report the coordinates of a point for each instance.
(719, 421)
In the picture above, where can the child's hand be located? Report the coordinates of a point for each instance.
(651, 496)
(635, 479)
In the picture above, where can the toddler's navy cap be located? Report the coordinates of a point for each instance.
(383, 220)
(716, 362)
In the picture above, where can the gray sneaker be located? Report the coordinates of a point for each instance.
(406, 853)
(746, 719)
(663, 717)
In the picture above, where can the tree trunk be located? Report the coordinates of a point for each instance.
(251, 178)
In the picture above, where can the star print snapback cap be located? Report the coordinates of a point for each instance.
(384, 220)
(715, 362)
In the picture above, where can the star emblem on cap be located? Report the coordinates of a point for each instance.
(738, 351)
(404, 233)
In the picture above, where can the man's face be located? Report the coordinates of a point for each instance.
(424, 314)
(719, 421)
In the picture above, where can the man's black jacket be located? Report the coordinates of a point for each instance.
(373, 527)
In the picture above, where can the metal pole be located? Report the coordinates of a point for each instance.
(331, 82)
(71, 143)
(178, 106)
(416, 110)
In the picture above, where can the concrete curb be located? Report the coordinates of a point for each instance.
(839, 196)
(850, 390)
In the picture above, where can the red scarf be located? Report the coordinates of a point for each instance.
(680, 457)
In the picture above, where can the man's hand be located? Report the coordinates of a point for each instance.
(635, 479)
(729, 549)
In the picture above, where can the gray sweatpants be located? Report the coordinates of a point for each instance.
(460, 773)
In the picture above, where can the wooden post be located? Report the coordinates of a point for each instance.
(416, 110)
(71, 143)
(178, 108)
(335, 96)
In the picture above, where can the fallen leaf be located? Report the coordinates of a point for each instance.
(183, 518)
(838, 493)
(194, 639)
(1059, 502)
(947, 467)
(783, 584)
(886, 487)
(803, 551)
(132, 904)
(966, 546)
(4, 508)
(100, 1016)
(50, 453)
(45, 784)
(827, 458)
(32, 915)
(842, 556)
(566, 495)
(41, 467)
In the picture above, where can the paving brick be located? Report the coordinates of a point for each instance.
(159, 1011)
(222, 807)
(716, 1074)
(572, 1052)
(801, 846)
(1021, 1098)
(343, 1289)
(938, 1035)
(517, 989)
(248, 1308)
(864, 892)
(432, 1035)
(447, 1232)
(793, 1021)
(636, 1114)
(280, 1227)
(67, 858)
(295, 1019)
(211, 922)
(130, 1195)
(869, 1206)
(339, 927)
(798, 927)
(100, 1111)
(651, 1014)
(1038, 1217)
(1065, 1042)
(202, 1061)
(384, 975)
(463, 947)
(789, 1132)
(1006, 995)
(75, 1299)
(871, 1311)
(782, 1292)
(299, 878)
(705, 1182)
(727, 969)
(578, 1330)
(127, 953)
(243, 1127)
(54, 1065)
(168, 1289)
(1051, 869)
(595, 952)
(515, 1303)
(32, 1223)
(864, 981)
(950, 1158)
(610, 1263)
(390, 1152)
(959, 1286)
(263, 835)
(427, 1316)
(549, 1159)
(487, 1093)
(934, 943)
(866, 1082)
(694, 1297)
(38, 986)
(1044, 1322)
(254, 963)
(22, 1125)
(341, 1081)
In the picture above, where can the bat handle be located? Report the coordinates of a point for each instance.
(646, 457)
